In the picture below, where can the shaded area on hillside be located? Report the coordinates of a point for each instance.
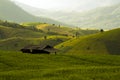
(113, 47)
(101, 43)
(14, 36)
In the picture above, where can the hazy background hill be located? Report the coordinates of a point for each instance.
(10, 11)
(101, 17)
(104, 17)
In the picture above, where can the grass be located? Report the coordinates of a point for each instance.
(15, 38)
(28, 24)
(20, 66)
(64, 65)
(17, 43)
(56, 29)
(8, 32)
(64, 30)
(101, 43)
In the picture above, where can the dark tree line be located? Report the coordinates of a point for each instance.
(9, 24)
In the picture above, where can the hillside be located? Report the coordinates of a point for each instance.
(61, 30)
(8, 32)
(14, 36)
(101, 43)
(11, 12)
(17, 43)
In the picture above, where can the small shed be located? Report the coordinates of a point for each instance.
(39, 49)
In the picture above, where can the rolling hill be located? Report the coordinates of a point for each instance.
(101, 43)
(61, 30)
(14, 36)
(104, 17)
(17, 43)
(11, 12)
(8, 32)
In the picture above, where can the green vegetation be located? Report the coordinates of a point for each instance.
(31, 23)
(82, 54)
(8, 32)
(14, 36)
(80, 66)
(101, 43)
(66, 31)
(17, 43)
(19, 66)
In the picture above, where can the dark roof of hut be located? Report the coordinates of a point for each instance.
(41, 47)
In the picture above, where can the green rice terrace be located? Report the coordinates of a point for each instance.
(19, 66)
(107, 42)
(15, 36)
(59, 40)
(82, 55)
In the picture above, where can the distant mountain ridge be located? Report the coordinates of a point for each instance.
(10, 11)
(104, 17)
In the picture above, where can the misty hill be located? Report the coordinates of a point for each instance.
(101, 43)
(104, 17)
(10, 11)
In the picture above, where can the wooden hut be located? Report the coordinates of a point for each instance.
(39, 49)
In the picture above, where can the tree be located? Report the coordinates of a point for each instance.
(48, 30)
(45, 37)
(101, 30)
(77, 34)
(59, 26)
(53, 24)
(16, 45)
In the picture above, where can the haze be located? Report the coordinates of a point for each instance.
(77, 5)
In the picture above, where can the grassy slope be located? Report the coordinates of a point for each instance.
(55, 29)
(8, 32)
(64, 30)
(100, 43)
(16, 43)
(19, 66)
(14, 38)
